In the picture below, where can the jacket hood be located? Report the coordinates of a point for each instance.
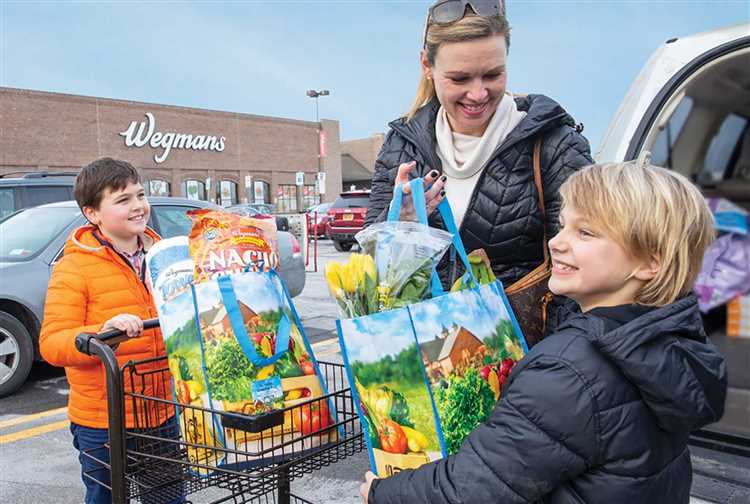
(83, 240)
(665, 353)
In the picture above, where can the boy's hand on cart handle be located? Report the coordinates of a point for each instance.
(131, 325)
(434, 185)
(364, 489)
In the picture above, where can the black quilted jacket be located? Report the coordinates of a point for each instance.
(503, 215)
(600, 411)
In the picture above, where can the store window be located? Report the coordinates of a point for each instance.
(194, 190)
(228, 193)
(261, 192)
(157, 187)
(310, 196)
(286, 198)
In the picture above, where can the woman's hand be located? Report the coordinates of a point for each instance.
(364, 489)
(129, 324)
(434, 191)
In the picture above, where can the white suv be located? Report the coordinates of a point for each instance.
(690, 106)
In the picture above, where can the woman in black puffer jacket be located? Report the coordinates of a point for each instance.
(473, 141)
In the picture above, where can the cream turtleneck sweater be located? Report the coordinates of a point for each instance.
(465, 156)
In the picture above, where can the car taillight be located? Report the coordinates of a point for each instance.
(296, 249)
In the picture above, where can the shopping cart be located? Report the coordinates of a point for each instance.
(152, 463)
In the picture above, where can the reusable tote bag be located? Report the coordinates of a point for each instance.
(238, 356)
(425, 375)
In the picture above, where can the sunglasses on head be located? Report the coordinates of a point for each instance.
(449, 11)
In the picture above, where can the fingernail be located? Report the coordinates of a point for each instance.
(433, 173)
(444, 178)
(442, 193)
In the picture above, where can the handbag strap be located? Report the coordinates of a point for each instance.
(537, 163)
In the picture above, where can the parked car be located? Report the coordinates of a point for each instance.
(347, 218)
(34, 188)
(32, 242)
(690, 106)
(253, 209)
(256, 208)
(318, 219)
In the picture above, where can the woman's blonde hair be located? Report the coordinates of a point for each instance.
(650, 212)
(470, 27)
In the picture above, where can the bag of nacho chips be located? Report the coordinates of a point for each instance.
(222, 243)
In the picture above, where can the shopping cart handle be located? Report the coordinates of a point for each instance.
(111, 337)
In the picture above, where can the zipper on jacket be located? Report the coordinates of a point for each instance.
(141, 278)
(127, 262)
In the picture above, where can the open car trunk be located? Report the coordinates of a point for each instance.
(694, 117)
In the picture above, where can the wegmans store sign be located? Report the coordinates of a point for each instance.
(141, 134)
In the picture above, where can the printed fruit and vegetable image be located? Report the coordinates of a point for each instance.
(468, 354)
(183, 348)
(388, 419)
(231, 374)
(398, 326)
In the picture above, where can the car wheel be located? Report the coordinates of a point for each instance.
(342, 246)
(16, 354)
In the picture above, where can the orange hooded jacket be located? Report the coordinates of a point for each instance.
(90, 285)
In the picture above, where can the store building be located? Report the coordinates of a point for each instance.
(358, 161)
(224, 157)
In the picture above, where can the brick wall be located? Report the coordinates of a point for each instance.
(52, 131)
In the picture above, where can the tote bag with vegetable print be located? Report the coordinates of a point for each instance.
(424, 376)
(237, 354)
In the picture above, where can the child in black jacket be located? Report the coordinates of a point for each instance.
(601, 410)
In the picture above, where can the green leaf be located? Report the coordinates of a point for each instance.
(462, 406)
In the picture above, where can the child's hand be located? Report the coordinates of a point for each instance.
(130, 324)
(364, 489)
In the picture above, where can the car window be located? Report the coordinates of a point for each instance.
(41, 195)
(662, 148)
(24, 235)
(172, 220)
(7, 201)
(358, 201)
(719, 154)
(322, 208)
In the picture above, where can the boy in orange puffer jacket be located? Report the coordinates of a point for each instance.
(99, 284)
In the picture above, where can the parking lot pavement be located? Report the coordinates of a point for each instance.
(315, 306)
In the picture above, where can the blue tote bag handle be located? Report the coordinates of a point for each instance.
(229, 298)
(420, 209)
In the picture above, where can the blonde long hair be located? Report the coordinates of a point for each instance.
(650, 212)
(470, 27)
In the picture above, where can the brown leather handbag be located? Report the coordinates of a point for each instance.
(530, 295)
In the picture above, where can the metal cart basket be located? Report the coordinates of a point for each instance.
(153, 463)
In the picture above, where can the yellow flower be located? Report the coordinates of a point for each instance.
(360, 265)
(333, 273)
(369, 267)
(349, 276)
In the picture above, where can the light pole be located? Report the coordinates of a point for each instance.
(312, 93)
